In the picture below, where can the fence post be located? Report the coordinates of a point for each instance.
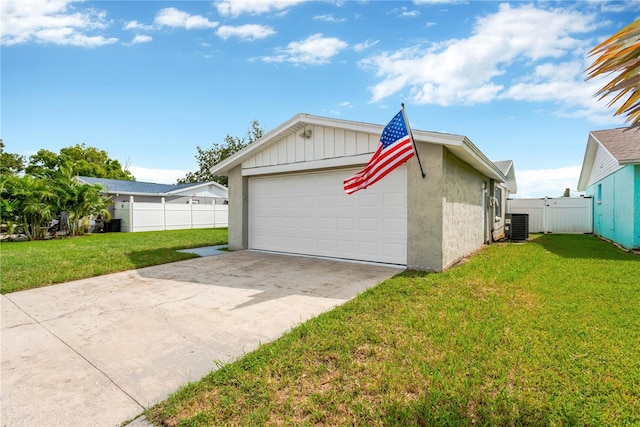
(131, 214)
(191, 211)
(164, 214)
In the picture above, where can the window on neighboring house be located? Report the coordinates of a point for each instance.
(599, 196)
(497, 193)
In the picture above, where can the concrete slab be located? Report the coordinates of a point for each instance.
(98, 351)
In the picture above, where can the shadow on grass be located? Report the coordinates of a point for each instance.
(582, 246)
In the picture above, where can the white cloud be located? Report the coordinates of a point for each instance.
(172, 17)
(158, 176)
(365, 45)
(482, 67)
(135, 25)
(329, 18)
(404, 12)
(438, 2)
(52, 21)
(563, 83)
(245, 32)
(314, 50)
(236, 8)
(547, 182)
(141, 38)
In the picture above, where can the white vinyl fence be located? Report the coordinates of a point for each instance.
(564, 215)
(143, 216)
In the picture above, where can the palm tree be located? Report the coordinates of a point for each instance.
(79, 200)
(620, 54)
(32, 200)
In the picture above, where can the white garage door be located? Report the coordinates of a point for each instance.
(309, 213)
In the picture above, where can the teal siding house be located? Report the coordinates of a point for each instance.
(611, 175)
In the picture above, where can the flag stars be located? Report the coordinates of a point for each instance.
(395, 130)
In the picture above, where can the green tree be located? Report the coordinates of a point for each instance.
(219, 152)
(10, 164)
(620, 55)
(31, 201)
(85, 160)
(80, 201)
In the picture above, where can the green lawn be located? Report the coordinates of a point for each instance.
(25, 265)
(541, 333)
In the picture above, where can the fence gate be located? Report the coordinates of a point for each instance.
(565, 215)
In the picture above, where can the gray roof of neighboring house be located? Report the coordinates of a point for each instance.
(504, 165)
(136, 187)
(622, 143)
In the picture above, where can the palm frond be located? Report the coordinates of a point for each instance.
(620, 54)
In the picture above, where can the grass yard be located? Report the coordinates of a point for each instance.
(26, 265)
(541, 333)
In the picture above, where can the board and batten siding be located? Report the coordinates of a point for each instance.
(324, 143)
(604, 165)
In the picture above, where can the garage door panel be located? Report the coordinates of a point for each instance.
(394, 250)
(309, 213)
(394, 225)
(368, 224)
(392, 199)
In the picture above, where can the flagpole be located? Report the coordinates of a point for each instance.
(404, 114)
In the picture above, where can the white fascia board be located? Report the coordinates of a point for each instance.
(300, 121)
(134, 193)
(587, 162)
(468, 152)
(458, 144)
(337, 162)
(462, 147)
(629, 162)
(204, 184)
(290, 126)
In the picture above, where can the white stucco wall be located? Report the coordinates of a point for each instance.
(462, 225)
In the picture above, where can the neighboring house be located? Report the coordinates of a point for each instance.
(199, 193)
(286, 195)
(501, 192)
(611, 175)
(146, 206)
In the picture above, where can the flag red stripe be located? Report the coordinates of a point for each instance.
(380, 155)
(355, 186)
(377, 171)
(395, 158)
(380, 165)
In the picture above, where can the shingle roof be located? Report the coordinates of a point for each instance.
(129, 187)
(504, 165)
(622, 143)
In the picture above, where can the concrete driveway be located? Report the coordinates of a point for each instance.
(98, 351)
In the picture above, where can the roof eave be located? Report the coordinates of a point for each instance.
(200, 185)
(458, 144)
(627, 162)
(135, 193)
(587, 162)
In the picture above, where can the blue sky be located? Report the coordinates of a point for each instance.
(148, 81)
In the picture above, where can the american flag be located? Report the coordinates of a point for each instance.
(395, 148)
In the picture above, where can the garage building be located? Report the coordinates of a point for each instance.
(286, 195)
